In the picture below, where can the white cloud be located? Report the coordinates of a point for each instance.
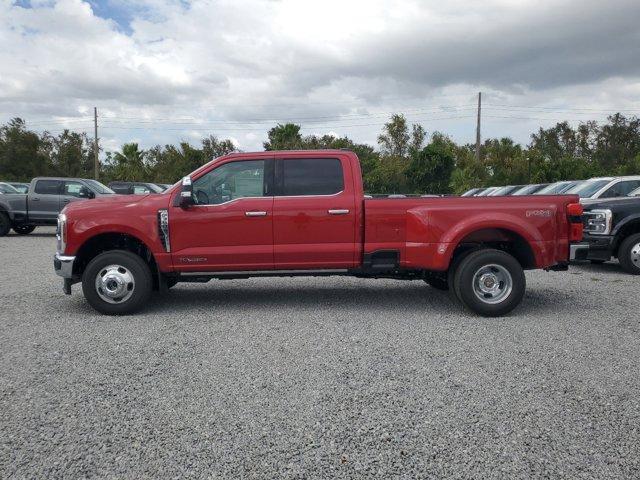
(182, 71)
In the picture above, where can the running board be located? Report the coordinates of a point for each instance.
(206, 276)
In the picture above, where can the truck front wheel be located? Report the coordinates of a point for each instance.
(23, 229)
(489, 282)
(629, 254)
(5, 224)
(117, 282)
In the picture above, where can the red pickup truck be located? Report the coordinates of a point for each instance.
(305, 213)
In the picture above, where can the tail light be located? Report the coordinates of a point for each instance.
(574, 212)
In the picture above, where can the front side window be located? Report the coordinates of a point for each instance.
(312, 176)
(140, 190)
(48, 187)
(621, 189)
(74, 189)
(229, 182)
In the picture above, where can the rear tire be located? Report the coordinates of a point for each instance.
(5, 224)
(117, 282)
(489, 282)
(23, 229)
(629, 254)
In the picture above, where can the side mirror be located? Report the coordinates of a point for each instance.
(86, 193)
(186, 193)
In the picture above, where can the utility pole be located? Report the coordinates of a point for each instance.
(96, 164)
(478, 128)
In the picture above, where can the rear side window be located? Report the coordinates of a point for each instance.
(312, 176)
(48, 187)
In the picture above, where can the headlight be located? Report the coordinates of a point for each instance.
(597, 222)
(61, 233)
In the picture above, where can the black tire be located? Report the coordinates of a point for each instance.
(439, 283)
(629, 254)
(23, 229)
(501, 269)
(451, 273)
(5, 224)
(133, 267)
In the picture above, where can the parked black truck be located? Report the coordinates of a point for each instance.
(46, 198)
(611, 229)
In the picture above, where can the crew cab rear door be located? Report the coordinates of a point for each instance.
(314, 214)
(230, 226)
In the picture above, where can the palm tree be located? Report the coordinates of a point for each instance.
(130, 164)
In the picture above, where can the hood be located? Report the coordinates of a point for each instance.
(591, 203)
(104, 201)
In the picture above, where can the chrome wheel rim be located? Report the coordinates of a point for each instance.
(635, 255)
(115, 284)
(492, 284)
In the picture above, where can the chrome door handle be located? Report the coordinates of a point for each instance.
(255, 214)
(338, 212)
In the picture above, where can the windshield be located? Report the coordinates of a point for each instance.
(6, 188)
(98, 187)
(553, 188)
(586, 189)
(528, 190)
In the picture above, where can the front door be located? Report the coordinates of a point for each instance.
(314, 217)
(230, 227)
(72, 191)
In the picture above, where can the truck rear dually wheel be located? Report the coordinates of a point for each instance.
(117, 282)
(489, 282)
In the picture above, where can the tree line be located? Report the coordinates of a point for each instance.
(406, 160)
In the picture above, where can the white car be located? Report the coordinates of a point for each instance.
(606, 187)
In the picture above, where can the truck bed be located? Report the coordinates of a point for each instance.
(424, 231)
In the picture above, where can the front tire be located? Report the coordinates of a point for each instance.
(5, 224)
(629, 254)
(23, 229)
(489, 282)
(117, 282)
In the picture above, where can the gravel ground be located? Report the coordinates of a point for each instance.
(317, 378)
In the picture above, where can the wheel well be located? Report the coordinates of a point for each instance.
(628, 229)
(501, 239)
(114, 241)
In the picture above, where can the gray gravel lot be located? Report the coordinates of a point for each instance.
(317, 378)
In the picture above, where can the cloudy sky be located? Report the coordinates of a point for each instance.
(161, 71)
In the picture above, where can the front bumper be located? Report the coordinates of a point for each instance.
(593, 247)
(63, 265)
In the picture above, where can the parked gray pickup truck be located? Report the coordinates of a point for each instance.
(46, 198)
